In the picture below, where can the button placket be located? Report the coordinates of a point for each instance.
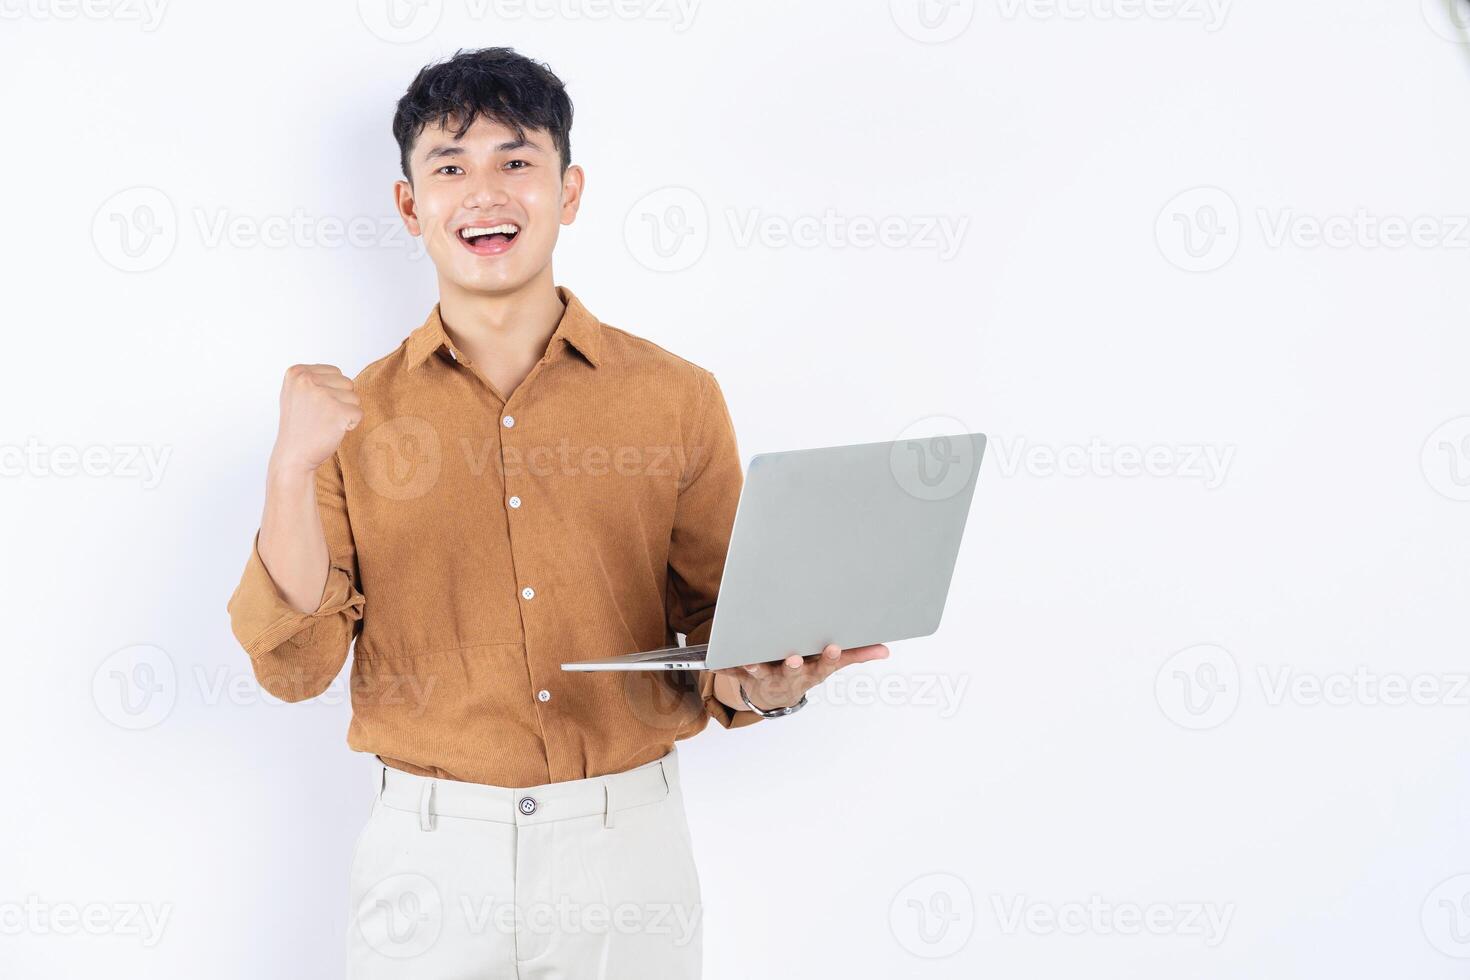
(527, 592)
(508, 421)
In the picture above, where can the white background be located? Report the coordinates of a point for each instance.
(1081, 766)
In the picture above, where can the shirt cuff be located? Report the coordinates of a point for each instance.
(721, 712)
(262, 619)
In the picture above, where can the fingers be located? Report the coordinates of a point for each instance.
(314, 371)
(783, 681)
(336, 380)
(319, 376)
(860, 655)
(832, 658)
(831, 655)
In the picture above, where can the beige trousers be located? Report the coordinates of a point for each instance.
(591, 879)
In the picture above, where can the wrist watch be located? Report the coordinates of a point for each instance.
(790, 709)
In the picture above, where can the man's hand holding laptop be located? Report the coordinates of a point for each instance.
(785, 682)
(831, 549)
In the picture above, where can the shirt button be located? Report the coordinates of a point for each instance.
(528, 805)
(515, 502)
(543, 696)
(528, 593)
(509, 421)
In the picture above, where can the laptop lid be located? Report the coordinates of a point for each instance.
(848, 544)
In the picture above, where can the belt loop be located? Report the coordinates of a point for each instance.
(382, 780)
(426, 802)
(607, 804)
(664, 772)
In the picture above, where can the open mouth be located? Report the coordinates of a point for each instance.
(489, 239)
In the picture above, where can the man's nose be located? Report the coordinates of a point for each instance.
(486, 191)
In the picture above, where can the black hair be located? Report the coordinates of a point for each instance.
(496, 83)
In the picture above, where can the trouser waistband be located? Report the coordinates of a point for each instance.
(594, 796)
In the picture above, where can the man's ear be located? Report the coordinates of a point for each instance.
(404, 202)
(572, 183)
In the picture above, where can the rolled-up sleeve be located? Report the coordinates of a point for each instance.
(703, 519)
(297, 655)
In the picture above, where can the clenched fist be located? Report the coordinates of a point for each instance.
(318, 408)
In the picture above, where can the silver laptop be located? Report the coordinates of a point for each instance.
(849, 545)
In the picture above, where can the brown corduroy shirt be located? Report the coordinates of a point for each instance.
(477, 543)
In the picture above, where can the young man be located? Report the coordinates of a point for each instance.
(515, 486)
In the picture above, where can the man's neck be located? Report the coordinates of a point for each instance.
(504, 334)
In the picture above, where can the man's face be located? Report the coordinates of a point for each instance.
(489, 179)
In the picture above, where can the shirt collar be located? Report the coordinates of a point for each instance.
(578, 328)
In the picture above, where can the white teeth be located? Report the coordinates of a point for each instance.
(469, 234)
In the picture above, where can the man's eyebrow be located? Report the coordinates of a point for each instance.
(444, 151)
(454, 149)
(519, 142)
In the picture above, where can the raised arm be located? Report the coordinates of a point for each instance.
(298, 607)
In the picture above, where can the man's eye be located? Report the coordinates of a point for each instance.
(517, 165)
(447, 166)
